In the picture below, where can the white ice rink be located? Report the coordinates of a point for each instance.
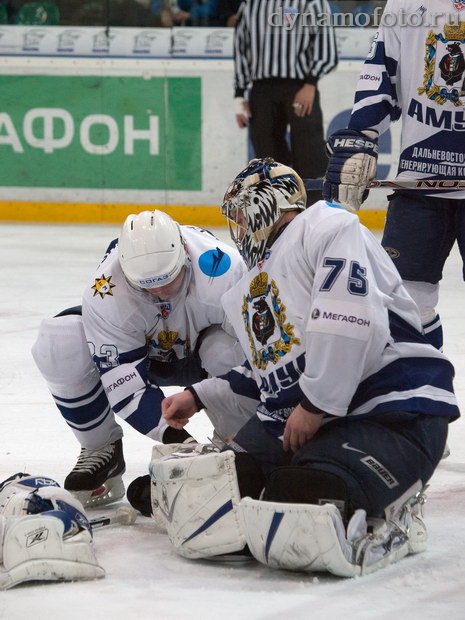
(43, 270)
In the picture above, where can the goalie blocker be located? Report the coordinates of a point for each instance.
(199, 498)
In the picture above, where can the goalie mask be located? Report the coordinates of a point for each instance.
(255, 201)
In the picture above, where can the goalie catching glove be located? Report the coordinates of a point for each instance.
(44, 533)
(352, 165)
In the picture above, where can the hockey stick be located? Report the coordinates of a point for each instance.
(425, 184)
(125, 515)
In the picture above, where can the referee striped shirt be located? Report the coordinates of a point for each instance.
(274, 39)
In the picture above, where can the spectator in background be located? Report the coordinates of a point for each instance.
(194, 12)
(228, 12)
(282, 60)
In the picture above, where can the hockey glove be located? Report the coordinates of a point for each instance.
(352, 163)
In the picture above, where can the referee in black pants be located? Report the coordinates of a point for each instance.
(281, 52)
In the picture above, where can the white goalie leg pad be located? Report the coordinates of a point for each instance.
(198, 497)
(300, 537)
(308, 537)
(34, 548)
(189, 447)
(158, 452)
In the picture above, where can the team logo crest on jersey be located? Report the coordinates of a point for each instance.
(163, 346)
(165, 310)
(166, 340)
(270, 336)
(103, 286)
(444, 77)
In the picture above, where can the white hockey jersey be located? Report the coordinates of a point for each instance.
(125, 326)
(417, 72)
(325, 317)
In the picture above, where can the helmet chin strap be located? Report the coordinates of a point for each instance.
(262, 234)
(182, 291)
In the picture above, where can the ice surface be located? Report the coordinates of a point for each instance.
(43, 269)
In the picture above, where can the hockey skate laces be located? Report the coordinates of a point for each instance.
(89, 460)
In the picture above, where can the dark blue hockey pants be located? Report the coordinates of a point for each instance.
(379, 457)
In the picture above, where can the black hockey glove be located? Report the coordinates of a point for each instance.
(352, 164)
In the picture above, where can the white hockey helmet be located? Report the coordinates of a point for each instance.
(255, 201)
(151, 249)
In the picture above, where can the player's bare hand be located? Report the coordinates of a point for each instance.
(178, 408)
(303, 100)
(300, 428)
(242, 111)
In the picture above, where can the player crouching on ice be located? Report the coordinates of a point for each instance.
(151, 317)
(354, 403)
(44, 533)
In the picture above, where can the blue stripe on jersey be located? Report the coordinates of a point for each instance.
(142, 368)
(148, 413)
(335, 206)
(125, 358)
(275, 428)
(381, 59)
(373, 113)
(402, 331)
(86, 413)
(415, 404)
(95, 389)
(242, 384)
(416, 372)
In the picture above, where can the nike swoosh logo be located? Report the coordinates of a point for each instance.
(347, 447)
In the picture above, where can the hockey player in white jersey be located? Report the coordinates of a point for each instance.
(415, 73)
(151, 317)
(354, 402)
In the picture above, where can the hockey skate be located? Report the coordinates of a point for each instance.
(96, 479)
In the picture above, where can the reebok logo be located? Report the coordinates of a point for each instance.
(36, 537)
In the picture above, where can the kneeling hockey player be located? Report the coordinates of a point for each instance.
(354, 402)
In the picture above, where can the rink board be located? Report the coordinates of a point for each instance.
(92, 139)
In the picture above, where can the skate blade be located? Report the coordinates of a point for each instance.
(111, 491)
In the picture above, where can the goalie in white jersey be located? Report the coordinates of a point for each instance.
(354, 402)
(151, 317)
(415, 72)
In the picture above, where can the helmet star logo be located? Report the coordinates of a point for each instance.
(103, 286)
